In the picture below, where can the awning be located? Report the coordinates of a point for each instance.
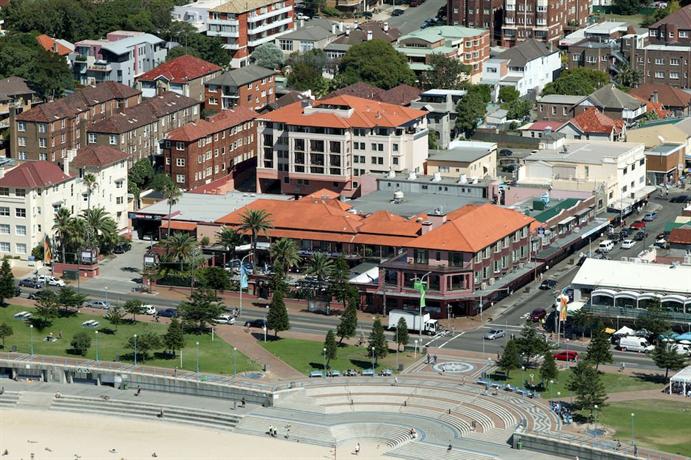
(584, 212)
(644, 192)
(567, 221)
(598, 227)
(621, 204)
(609, 330)
(180, 225)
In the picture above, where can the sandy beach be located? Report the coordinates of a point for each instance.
(61, 435)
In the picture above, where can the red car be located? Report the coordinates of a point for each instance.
(564, 355)
(638, 225)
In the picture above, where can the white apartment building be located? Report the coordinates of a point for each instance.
(616, 168)
(33, 191)
(305, 146)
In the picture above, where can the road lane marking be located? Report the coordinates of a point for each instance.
(452, 338)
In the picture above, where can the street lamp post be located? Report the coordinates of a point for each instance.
(97, 356)
(135, 350)
(397, 347)
(106, 289)
(324, 350)
(633, 433)
(235, 362)
(373, 355)
(197, 344)
(31, 339)
(264, 328)
(415, 353)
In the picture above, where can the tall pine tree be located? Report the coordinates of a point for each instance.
(331, 348)
(402, 337)
(277, 318)
(348, 325)
(548, 369)
(174, 338)
(510, 359)
(377, 340)
(7, 288)
(599, 351)
(587, 386)
(666, 357)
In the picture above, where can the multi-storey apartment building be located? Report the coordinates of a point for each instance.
(48, 131)
(206, 150)
(541, 19)
(252, 86)
(32, 192)
(244, 25)
(470, 46)
(15, 96)
(308, 146)
(485, 14)
(184, 75)
(120, 57)
(136, 130)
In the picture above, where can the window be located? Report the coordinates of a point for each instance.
(42, 128)
(683, 34)
(20, 192)
(659, 75)
(5, 229)
(179, 146)
(21, 126)
(4, 211)
(180, 162)
(421, 256)
(113, 140)
(455, 259)
(92, 138)
(119, 200)
(674, 75)
(21, 248)
(20, 212)
(20, 230)
(21, 141)
(659, 61)
(4, 191)
(4, 246)
(180, 178)
(674, 61)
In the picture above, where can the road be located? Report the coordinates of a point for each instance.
(413, 18)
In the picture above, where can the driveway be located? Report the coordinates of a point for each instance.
(120, 271)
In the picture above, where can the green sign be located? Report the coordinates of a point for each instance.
(421, 287)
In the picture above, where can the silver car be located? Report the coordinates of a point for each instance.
(495, 334)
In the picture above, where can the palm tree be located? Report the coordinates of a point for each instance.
(255, 221)
(101, 226)
(63, 227)
(90, 182)
(321, 266)
(229, 237)
(284, 253)
(172, 193)
(181, 247)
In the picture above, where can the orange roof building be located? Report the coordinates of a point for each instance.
(54, 45)
(305, 147)
(593, 124)
(184, 75)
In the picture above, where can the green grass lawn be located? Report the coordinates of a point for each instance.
(613, 382)
(214, 356)
(635, 19)
(307, 355)
(663, 425)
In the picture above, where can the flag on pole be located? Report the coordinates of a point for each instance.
(243, 277)
(422, 289)
(47, 253)
(564, 311)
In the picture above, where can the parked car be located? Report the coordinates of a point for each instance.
(101, 304)
(259, 323)
(397, 12)
(225, 319)
(661, 243)
(679, 199)
(606, 246)
(386, 373)
(538, 314)
(168, 313)
(52, 281)
(640, 236)
(367, 373)
(316, 374)
(17, 291)
(22, 315)
(31, 283)
(495, 334)
(566, 355)
(149, 310)
(633, 343)
(333, 373)
(638, 225)
(505, 153)
(650, 216)
(548, 284)
(628, 244)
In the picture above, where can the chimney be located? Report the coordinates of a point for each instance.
(412, 175)
(71, 153)
(436, 177)
(347, 31)
(334, 28)
(386, 27)
(437, 218)
(369, 35)
(426, 226)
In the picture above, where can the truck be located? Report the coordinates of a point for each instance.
(414, 321)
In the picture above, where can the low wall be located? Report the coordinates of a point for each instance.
(85, 271)
(566, 448)
(129, 378)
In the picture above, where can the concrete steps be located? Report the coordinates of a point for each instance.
(417, 450)
(9, 399)
(34, 400)
(392, 435)
(296, 431)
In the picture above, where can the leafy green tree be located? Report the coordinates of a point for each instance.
(70, 299)
(628, 76)
(215, 278)
(666, 357)
(172, 193)
(375, 62)
(5, 331)
(377, 341)
(471, 109)
(338, 281)
(193, 43)
(47, 305)
(63, 227)
(661, 13)
(331, 347)
(347, 327)
(580, 81)
(508, 94)
(80, 343)
(518, 109)
(285, 254)
(102, 231)
(599, 351)
(180, 247)
(144, 343)
(583, 320)
(7, 287)
(200, 309)
(116, 315)
(306, 72)
(626, 7)
(268, 55)
(445, 73)
(139, 177)
(433, 140)
(277, 317)
(174, 338)
(509, 359)
(402, 337)
(655, 319)
(531, 344)
(548, 369)
(133, 307)
(586, 384)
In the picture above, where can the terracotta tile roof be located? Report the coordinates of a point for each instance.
(669, 96)
(365, 113)
(359, 89)
(542, 125)
(680, 236)
(179, 225)
(322, 194)
(202, 128)
(594, 121)
(680, 18)
(78, 102)
(401, 95)
(385, 223)
(97, 156)
(359, 34)
(472, 228)
(52, 45)
(34, 174)
(180, 70)
(143, 114)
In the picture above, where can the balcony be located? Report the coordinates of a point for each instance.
(100, 68)
(223, 22)
(635, 313)
(269, 26)
(269, 14)
(348, 3)
(224, 33)
(231, 46)
(401, 263)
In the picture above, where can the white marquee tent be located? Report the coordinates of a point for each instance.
(681, 380)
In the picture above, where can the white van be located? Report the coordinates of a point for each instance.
(633, 343)
(606, 246)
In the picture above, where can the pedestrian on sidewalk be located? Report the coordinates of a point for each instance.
(357, 448)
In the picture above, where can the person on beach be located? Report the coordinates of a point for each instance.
(357, 448)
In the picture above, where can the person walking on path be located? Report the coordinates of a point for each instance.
(357, 448)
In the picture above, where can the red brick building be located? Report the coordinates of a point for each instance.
(252, 86)
(541, 19)
(206, 150)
